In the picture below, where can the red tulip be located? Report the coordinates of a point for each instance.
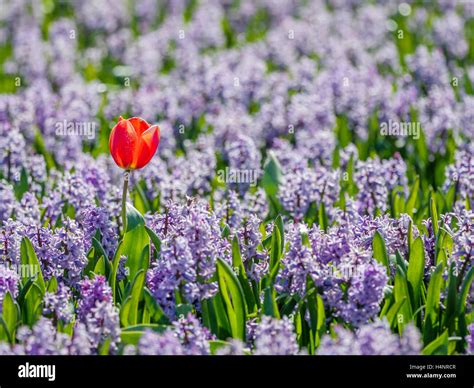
(133, 142)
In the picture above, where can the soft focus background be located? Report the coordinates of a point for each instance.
(311, 193)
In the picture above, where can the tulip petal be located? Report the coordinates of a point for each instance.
(139, 125)
(148, 143)
(122, 143)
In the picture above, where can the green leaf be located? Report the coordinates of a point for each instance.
(31, 264)
(125, 311)
(461, 307)
(134, 241)
(52, 285)
(135, 296)
(24, 290)
(466, 286)
(103, 263)
(141, 201)
(242, 275)
(22, 186)
(279, 224)
(451, 197)
(434, 290)
(410, 237)
(400, 291)
(380, 251)
(226, 231)
(90, 262)
(155, 240)
(322, 217)
(431, 324)
(393, 312)
(156, 312)
(401, 262)
(450, 312)
(115, 266)
(33, 299)
(184, 309)
(130, 337)
(237, 257)
(343, 131)
(99, 268)
(9, 318)
(317, 319)
(216, 345)
(416, 268)
(438, 347)
(233, 297)
(272, 175)
(99, 248)
(411, 202)
(441, 258)
(434, 214)
(275, 253)
(270, 306)
(41, 149)
(218, 310)
(142, 327)
(31, 269)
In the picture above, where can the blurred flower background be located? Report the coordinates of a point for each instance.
(312, 192)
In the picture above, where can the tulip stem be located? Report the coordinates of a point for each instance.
(126, 177)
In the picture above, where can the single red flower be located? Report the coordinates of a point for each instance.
(133, 142)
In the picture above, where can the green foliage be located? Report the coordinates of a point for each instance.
(233, 297)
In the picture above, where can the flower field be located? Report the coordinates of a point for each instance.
(265, 177)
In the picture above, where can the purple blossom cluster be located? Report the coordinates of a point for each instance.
(350, 281)
(470, 339)
(275, 337)
(97, 313)
(191, 242)
(58, 304)
(9, 280)
(371, 340)
(266, 108)
(44, 340)
(186, 336)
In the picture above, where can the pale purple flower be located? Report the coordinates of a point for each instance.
(193, 336)
(244, 162)
(95, 222)
(372, 183)
(93, 291)
(254, 256)
(191, 244)
(166, 344)
(372, 339)
(7, 202)
(470, 339)
(103, 325)
(69, 255)
(235, 347)
(297, 264)
(28, 213)
(448, 33)
(58, 304)
(9, 281)
(275, 337)
(41, 340)
(461, 174)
